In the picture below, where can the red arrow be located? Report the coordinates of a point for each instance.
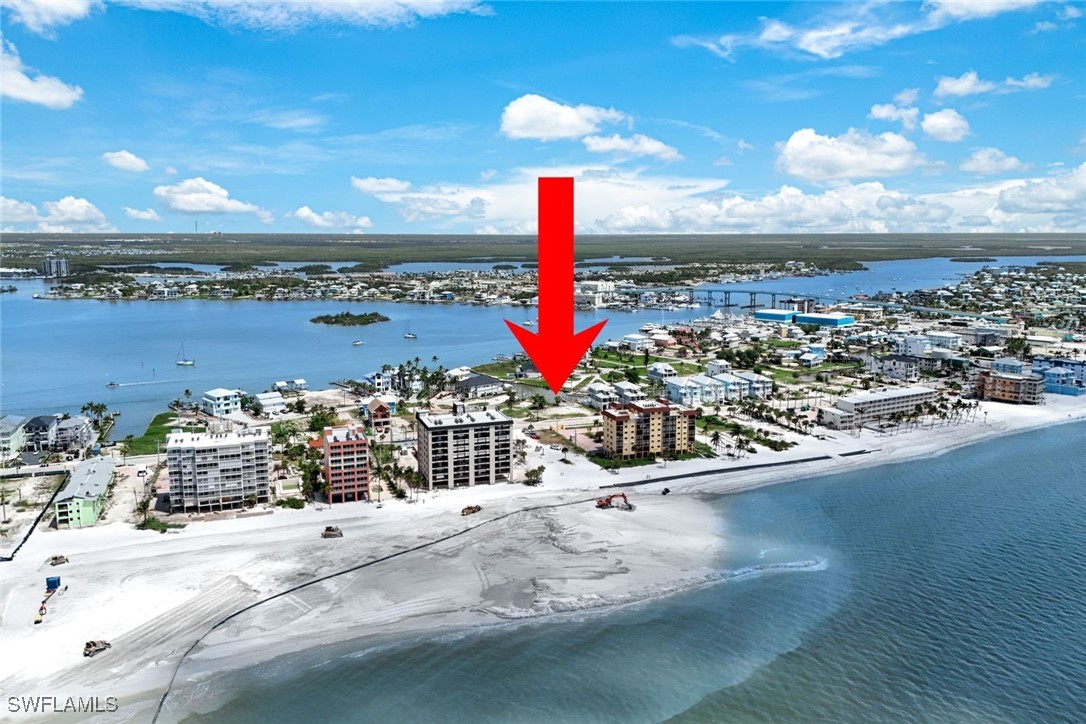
(556, 350)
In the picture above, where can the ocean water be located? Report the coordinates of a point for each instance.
(946, 590)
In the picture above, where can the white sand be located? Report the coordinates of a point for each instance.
(153, 595)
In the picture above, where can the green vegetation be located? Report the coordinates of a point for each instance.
(161, 526)
(372, 252)
(347, 319)
(314, 269)
(156, 432)
(985, 259)
(292, 503)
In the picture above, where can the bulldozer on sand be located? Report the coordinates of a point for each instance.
(57, 560)
(610, 502)
(331, 531)
(471, 509)
(93, 648)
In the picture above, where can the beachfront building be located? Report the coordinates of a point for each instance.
(1008, 387)
(1077, 366)
(1061, 381)
(854, 411)
(346, 463)
(12, 436)
(83, 499)
(212, 471)
(220, 402)
(648, 428)
(464, 449)
(41, 433)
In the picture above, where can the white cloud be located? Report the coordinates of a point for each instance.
(1044, 26)
(297, 14)
(636, 145)
(373, 185)
(722, 161)
(742, 145)
(969, 83)
(945, 125)
(66, 215)
(17, 84)
(142, 215)
(488, 174)
(41, 16)
(1070, 12)
(332, 219)
(890, 112)
(988, 161)
(533, 116)
(848, 27)
(907, 97)
(287, 120)
(125, 161)
(171, 170)
(856, 154)
(200, 196)
(1057, 194)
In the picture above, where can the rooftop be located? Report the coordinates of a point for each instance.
(89, 480)
(215, 439)
(463, 419)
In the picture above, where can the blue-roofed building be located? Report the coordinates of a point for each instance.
(781, 316)
(1077, 366)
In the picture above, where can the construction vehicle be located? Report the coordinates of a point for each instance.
(57, 560)
(609, 502)
(471, 509)
(330, 531)
(93, 648)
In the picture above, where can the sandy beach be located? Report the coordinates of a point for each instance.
(531, 552)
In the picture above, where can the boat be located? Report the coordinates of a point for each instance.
(408, 334)
(529, 323)
(112, 385)
(358, 343)
(182, 360)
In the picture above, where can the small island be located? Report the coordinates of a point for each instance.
(347, 319)
(968, 259)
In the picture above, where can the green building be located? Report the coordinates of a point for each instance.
(83, 499)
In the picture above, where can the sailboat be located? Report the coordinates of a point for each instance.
(182, 360)
(408, 334)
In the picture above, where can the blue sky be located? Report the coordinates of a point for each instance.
(387, 117)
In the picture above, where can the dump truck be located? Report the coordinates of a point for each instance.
(471, 510)
(331, 531)
(93, 648)
(57, 560)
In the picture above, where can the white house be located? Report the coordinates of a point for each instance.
(661, 371)
(600, 395)
(913, 345)
(717, 367)
(272, 402)
(628, 393)
(220, 402)
(638, 342)
(734, 387)
(757, 385)
(946, 340)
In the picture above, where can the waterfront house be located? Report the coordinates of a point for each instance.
(41, 433)
(272, 402)
(1061, 381)
(290, 386)
(81, 502)
(220, 402)
(478, 386)
(74, 433)
(12, 436)
(638, 342)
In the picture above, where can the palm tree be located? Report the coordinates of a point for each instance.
(714, 440)
(143, 508)
(565, 451)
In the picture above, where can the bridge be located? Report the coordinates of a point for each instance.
(723, 298)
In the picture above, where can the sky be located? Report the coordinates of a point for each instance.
(388, 116)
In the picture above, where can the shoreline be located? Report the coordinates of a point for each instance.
(525, 567)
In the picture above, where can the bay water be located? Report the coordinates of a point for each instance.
(951, 589)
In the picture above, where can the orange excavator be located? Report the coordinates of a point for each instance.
(609, 501)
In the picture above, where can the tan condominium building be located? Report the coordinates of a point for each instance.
(853, 411)
(464, 448)
(346, 463)
(1009, 387)
(216, 470)
(648, 428)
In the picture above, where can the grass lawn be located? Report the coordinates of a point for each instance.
(156, 432)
